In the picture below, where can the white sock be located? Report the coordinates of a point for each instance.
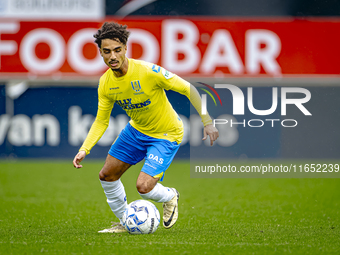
(116, 197)
(159, 194)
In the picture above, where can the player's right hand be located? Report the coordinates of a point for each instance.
(78, 158)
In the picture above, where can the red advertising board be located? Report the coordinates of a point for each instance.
(187, 46)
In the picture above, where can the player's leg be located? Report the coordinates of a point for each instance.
(114, 190)
(148, 188)
(109, 177)
(145, 183)
(123, 153)
(159, 157)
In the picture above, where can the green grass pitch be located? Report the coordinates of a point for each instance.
(52, 208)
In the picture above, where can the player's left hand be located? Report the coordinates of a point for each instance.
(212, 132)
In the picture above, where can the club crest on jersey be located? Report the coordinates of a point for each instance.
(136, 86)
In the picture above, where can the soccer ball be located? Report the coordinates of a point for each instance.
(141, 217)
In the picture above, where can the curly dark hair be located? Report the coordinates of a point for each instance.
(112, 30)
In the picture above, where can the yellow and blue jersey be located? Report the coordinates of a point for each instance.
(140, 92)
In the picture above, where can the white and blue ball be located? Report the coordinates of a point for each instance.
(141, 217)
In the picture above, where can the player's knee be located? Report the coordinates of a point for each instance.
(101, 176)
(143, 187)
(105, 176)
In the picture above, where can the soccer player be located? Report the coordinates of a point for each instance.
(154, 132)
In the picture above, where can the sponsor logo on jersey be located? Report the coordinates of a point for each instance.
(127, 105)
(156, 68)
(136, 86)
(167, 74)
(114, 88)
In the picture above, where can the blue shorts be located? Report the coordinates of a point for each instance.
(132, 146)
